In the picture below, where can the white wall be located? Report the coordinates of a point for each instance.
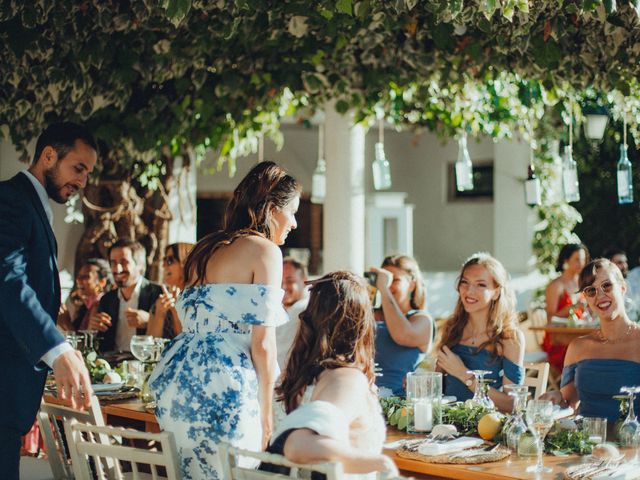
(444, 233)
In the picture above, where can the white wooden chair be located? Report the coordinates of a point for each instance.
(54, 440)
(229, 457)
(536, 377)
(85, 448)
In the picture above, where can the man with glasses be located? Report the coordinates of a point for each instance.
(632, 279)
(124, 312)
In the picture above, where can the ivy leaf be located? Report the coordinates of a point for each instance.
(177, 10)
(344, 6)
(488, 7)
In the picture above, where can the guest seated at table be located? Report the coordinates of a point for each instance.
(404, 330)
(482, 333)
(93, 280)
(619, 258)
(598, 364)
(124, 312)
(328, 386)
(563, 298)
(294, 276)
(164, 320)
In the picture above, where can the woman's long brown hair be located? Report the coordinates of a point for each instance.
(502, 321)
(336, 330)
(265, 187)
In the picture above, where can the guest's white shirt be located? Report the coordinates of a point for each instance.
(52, 355)
(286, 334)
(124, 332)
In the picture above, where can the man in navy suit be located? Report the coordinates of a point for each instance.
(30, 286)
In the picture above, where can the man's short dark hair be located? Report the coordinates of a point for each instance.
(102, 269)
(138, 251)
(611, 252)
(299, 266)
(62, 138)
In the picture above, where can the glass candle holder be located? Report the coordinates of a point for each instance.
(424, 396)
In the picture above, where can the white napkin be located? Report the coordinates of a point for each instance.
(623, 472)
(461, 443)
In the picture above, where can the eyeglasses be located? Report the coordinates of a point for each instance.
(592, 291)
(169, 260)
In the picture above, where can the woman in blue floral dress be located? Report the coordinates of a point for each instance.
(214, 382)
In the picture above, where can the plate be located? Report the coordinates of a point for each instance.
(448, 399)
(106, 387)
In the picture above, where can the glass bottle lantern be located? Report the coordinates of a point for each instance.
(464, 168)
(381, 167)
(532, 189)
(570, 183)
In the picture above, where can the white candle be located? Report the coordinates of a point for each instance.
(423, 415)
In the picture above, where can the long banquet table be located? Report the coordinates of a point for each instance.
(132, 413)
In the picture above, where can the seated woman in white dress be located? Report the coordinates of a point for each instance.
(328, 387)
(214, 382)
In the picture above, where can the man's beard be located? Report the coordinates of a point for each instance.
(52, 185)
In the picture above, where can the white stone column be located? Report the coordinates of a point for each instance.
(513, 218)
(344, 206)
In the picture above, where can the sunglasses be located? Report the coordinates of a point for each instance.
(169, 260)
(592, 291)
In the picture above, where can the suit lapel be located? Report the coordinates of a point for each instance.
(35, 200)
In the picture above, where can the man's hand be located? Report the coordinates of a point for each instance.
(100, 321)
(72, 379)
(137, 318)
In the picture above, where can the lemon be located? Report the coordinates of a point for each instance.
(490, 425)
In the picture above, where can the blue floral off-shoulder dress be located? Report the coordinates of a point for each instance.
(205, 384)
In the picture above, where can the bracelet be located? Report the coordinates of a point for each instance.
(563, 401)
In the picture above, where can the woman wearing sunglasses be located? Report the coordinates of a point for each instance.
(163, 319)
(598, 364)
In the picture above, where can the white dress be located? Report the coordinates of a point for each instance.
(205, 384)
(367, 433)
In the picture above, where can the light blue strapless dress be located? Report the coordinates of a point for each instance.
(597, 380)
(476, 359)
(205, 384)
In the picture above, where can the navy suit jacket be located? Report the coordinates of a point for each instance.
(29, 301)
(110, 303)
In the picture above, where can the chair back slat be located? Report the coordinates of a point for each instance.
(538, 382)
(232, 469)
(83, 448)
(50, 419)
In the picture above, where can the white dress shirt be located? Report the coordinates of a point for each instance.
(286, 334)
(124, 332)
(52, 355)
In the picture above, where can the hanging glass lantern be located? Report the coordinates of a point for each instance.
(319, 178)
(464, 168)
(532, 188)
(623, 172)
(570, 183)
(381, 167)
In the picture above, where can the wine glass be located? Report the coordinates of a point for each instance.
(539, 415)
(481, 395)
(142, 347)
(515, 425)
(630, 426)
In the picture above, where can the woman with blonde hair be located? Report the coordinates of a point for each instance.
(163, 317)
(404, 330)
(214, 382)
(482, 333)
(328, 386)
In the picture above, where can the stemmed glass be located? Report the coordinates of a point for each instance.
(142, 347)
(89, 340)
(630, 427)
(539, 415)
(481, 395)
(515, 425)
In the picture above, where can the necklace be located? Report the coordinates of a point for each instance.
(473, 339)
(604, 339)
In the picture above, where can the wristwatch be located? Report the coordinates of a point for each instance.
(469, 382)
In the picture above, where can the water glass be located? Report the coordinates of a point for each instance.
(539, 416)
(595, 428)
(135, 373)
(142, 347)
(424, 395)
